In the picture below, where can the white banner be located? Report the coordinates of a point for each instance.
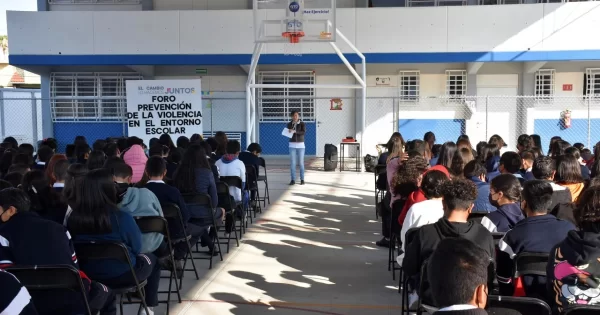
(155, 107)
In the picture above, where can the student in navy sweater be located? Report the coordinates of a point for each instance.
(96, 217)
(505, 192)
(15, 299)
(27, 239)
(156, 170)
(194, 176)
(530, 235)
(458, 273)
(475, 172)
(60, 175)
(510, 163)
(44, 154)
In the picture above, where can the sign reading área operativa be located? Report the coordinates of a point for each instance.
(155, 107)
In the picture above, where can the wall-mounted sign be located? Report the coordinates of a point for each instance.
(567, 87)
(336, 104)
(383, 81)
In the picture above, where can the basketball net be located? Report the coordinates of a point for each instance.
(292, 49)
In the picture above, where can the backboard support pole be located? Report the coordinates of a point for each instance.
(251, 85)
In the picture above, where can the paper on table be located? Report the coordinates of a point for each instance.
(286, 132)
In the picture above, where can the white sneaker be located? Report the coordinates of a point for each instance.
(143, 311)
(413, 299)
(399, 259)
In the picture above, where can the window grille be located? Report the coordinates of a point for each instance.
(456, 83)
(89, 96)
(275, 104)
(591, 87)
(409, 85)
(544, 84)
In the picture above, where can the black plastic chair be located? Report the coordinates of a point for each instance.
(380, 168)
(157, 224)
(51, 278)
(409, 237)
(226, 202)
(252, 189)
(235, 181)
(266, 197)
(106, 250)
(172, 211)
(581, 310)
(403, 280)
(497, 304)
(530, 264)
(204, 200)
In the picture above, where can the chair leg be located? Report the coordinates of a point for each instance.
(217, 241)
(121, 304)
(140, 290)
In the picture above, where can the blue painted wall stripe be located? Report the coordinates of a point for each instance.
(237, 59)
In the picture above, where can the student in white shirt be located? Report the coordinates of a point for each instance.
(230, 165)
(428, 211)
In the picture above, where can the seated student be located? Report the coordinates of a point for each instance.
(505, 192)
(31, 240)
(527, 158)
(136, 158)
(22, 159)
(490, 157)
(530, 235)
(213, 148)
(70, 153)
(44, 154)
(428, 211)
(510, 163)
(213, 166)
(251, 156)
(138, 202)
(194, 176)
(544, 168)
(51, 165)
(568, 174)
(96, 160)
(417, 195)
(230, 165)
(156, 170)
(458, 274)
(475, 172)
(82, 152)
(574, 152)
(27, 149)
(75, 175)
(459, 197)
(111, 149)
(19, 168)
(573, 269)
(14, 178)
(96, 217)
(60, 175)
(15, 299)
(45, 201)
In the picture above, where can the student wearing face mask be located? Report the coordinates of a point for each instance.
(505, 193)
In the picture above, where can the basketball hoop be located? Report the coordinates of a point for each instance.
(293, 48)
(293, 36)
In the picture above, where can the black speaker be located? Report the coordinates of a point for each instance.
(331, 157)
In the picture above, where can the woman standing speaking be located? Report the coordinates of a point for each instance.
(297, 127)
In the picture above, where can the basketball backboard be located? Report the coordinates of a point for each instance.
(294, 21)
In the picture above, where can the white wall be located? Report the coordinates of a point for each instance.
(535, 27)
(202, 4)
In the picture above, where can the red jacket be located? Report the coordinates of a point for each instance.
(418, 195)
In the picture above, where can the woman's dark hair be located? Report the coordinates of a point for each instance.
(221, 138)
(12, 141)
(552, 141)
(294, 112)
(6, 160)
(429, 135)
(390, 144)
(474, 169)
(183, 142)
(587, 212)
(80, 140)
(459, 160)
(22, 158)
(524, 142)
(432, 183)
(405, 179)
(111, 162)
(213, 144)
(205, 146)
(537, 140)
(50, 142)
(446, 154)
(537, 152)
(26, 148)
(95, 201)
(122, 144)
(159, 150)
(81, 151)
(96, 160)
(185, 176)
(497, 141)
(70, 151)
(99, 145)
(43, 197)
(44, 153)
(165, 139)
(435, 150)
(196, 138)
(488, 151)
(595, 171)
(75, 175)
(479, 148)
(559, 147)
(175, 157)
(51, 165)
(580, 146)
(509, 185)
(111, 149)
(153, 141)
(573, 151)
(568, 170)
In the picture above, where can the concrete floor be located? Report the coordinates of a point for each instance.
(311, 252)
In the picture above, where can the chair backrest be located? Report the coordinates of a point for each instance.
(581, 310)
(234, 181)
(153, 224)
(51, 278)
(198, 199)
(531, 264)
(477, 216)
(222, 188)
(170, 210)
(380, 168)
(102, 250)
(251, 175)
(410, 235)
(263, 163)
(517, 305)
(497, 236)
